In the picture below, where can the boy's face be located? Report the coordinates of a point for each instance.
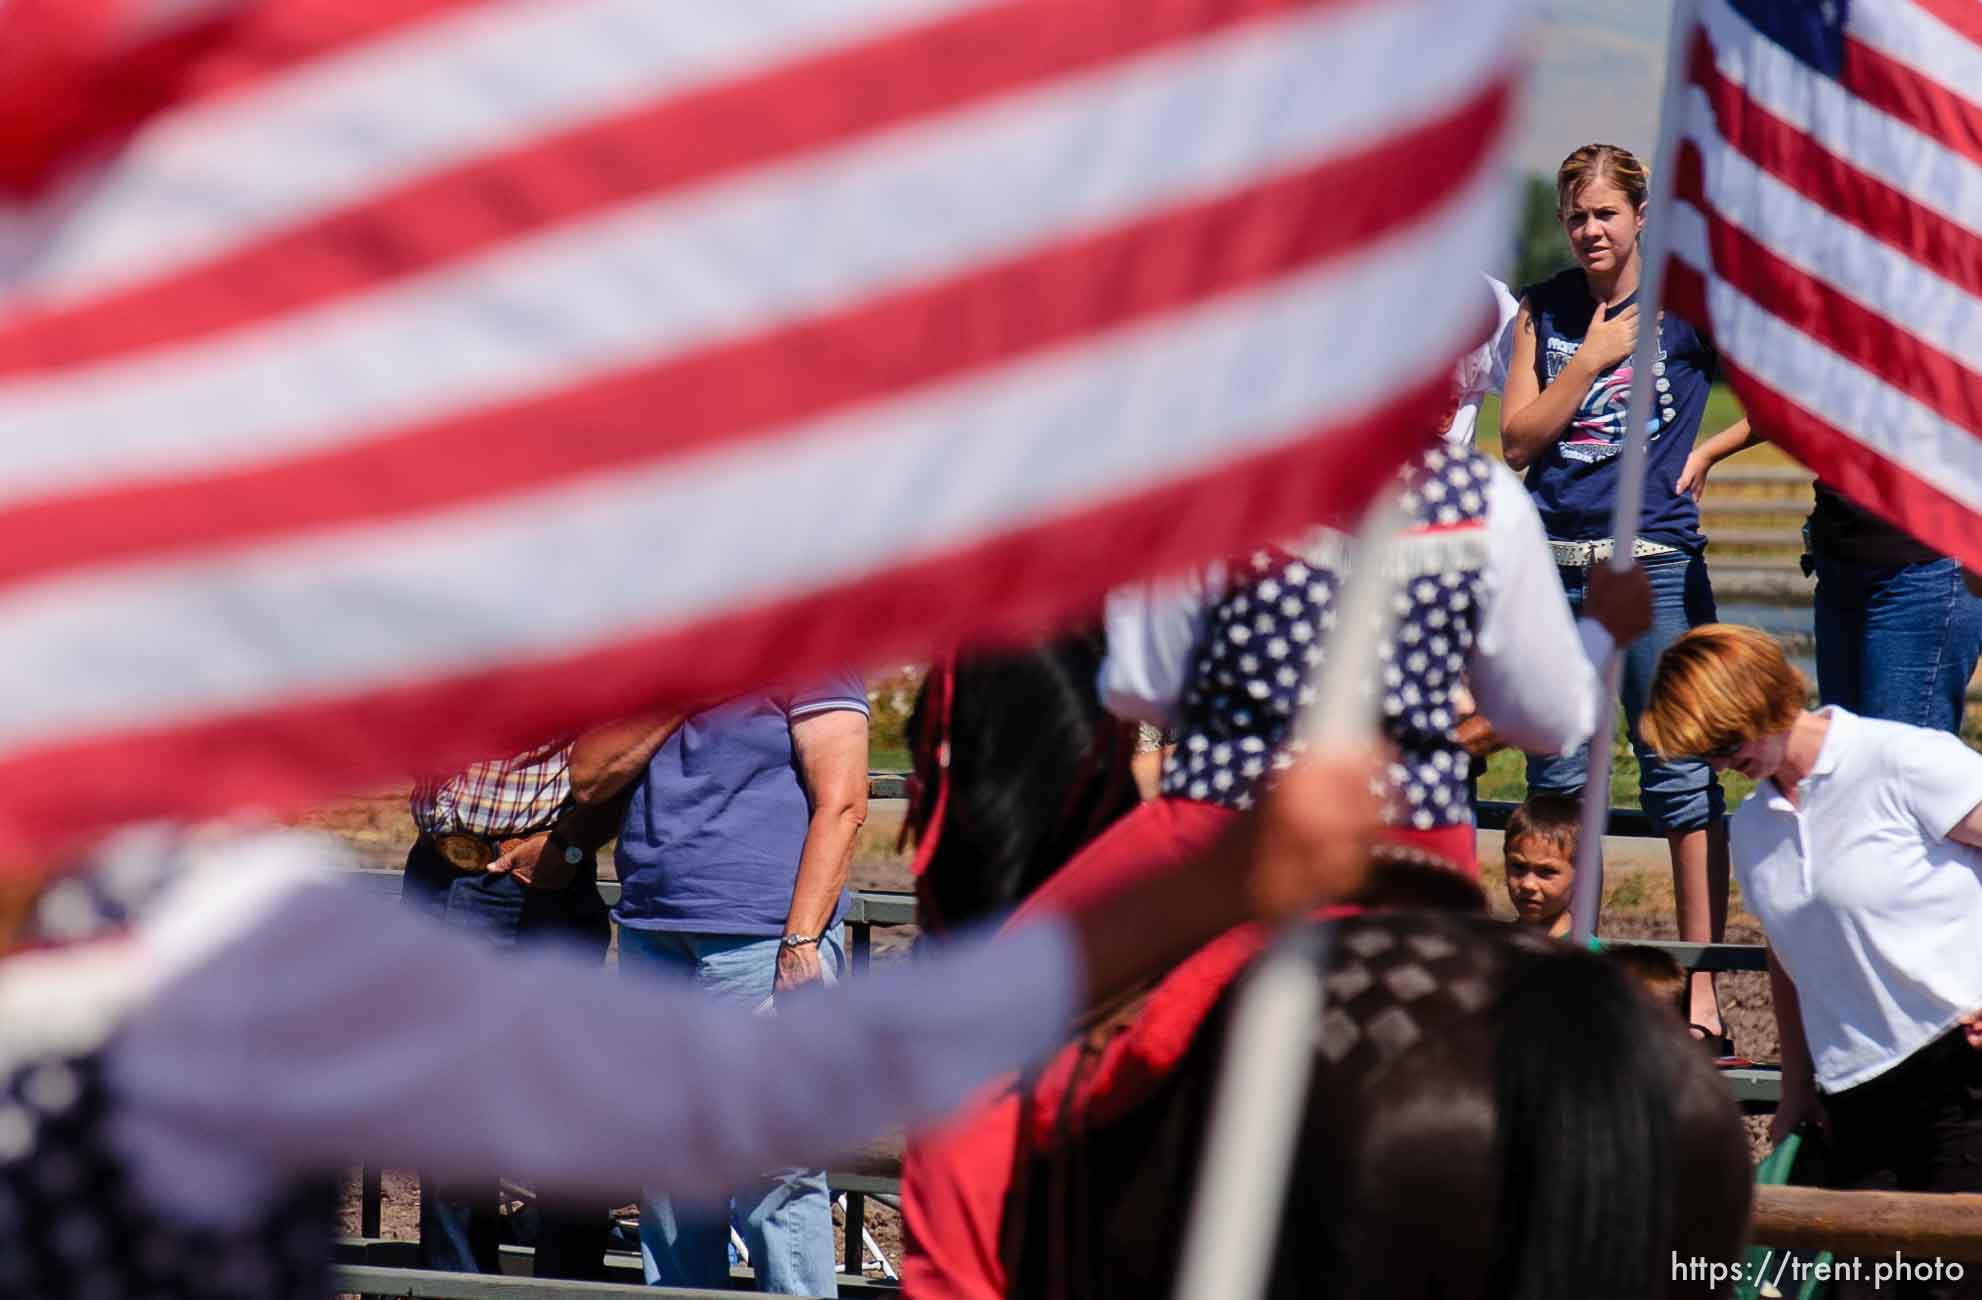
(1539, 876)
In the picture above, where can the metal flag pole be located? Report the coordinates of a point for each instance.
(1256, 1112)
(1587, 893)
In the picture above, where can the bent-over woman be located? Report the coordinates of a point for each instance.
(1861, 852)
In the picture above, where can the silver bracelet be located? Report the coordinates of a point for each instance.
(799, 940)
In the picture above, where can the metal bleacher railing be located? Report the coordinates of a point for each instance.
(370, 1266)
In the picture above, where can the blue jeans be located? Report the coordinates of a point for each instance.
(1896, 641)
(785, 1218)
(1678, 794)
(460, 1230)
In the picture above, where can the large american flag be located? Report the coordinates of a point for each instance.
(1829, 230)
(386, 384)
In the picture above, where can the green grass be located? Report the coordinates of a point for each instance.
(1723, 409)
(1630, 894)
(1506, 776)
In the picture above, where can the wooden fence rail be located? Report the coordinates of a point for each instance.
(1919, 1224)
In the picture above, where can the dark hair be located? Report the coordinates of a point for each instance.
(1584, 1078)
(1493, 1116)
(1566, 1118)
(1554, 819)
(1655, 970)
(1402, 879)
(1037, 768)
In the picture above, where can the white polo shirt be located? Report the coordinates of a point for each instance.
(1873, 911)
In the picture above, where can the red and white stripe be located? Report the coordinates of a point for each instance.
(1830, 233)
(427, 377)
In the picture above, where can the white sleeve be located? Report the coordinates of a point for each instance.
(1152, 629)
(341, 1028)
(1939, 778)
(1483, 370)
(1465, 425)
(1502, 343)
(1534, 671)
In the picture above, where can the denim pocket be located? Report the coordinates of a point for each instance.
(487, 907)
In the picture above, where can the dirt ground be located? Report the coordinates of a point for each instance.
(1638, 894)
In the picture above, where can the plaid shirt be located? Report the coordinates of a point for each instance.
(499, 799)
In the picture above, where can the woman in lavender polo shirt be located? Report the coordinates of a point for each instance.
(733, 865)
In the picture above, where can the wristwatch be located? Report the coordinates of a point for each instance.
(573, 855)
(799, 940)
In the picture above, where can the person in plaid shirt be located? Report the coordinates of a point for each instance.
(505, 799)
(507, 851)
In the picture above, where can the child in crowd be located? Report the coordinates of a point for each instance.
(1656, 971)
(1540, 854)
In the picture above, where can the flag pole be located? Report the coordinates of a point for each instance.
(1587, 893)
(1255, 1121)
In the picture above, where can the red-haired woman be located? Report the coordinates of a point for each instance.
(1861, 852)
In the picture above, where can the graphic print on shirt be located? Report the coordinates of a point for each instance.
(1596, 432)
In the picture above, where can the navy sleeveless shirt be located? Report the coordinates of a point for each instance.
(1574, 484)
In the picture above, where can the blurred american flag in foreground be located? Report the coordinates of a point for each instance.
(384, 385)
(1829, 228)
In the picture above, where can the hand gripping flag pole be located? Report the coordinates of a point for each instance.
(1587, 892)
(1256, 1115)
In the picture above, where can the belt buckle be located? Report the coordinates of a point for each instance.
(468, 854)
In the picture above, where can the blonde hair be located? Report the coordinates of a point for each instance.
(1605, 162)
(1720, 684)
